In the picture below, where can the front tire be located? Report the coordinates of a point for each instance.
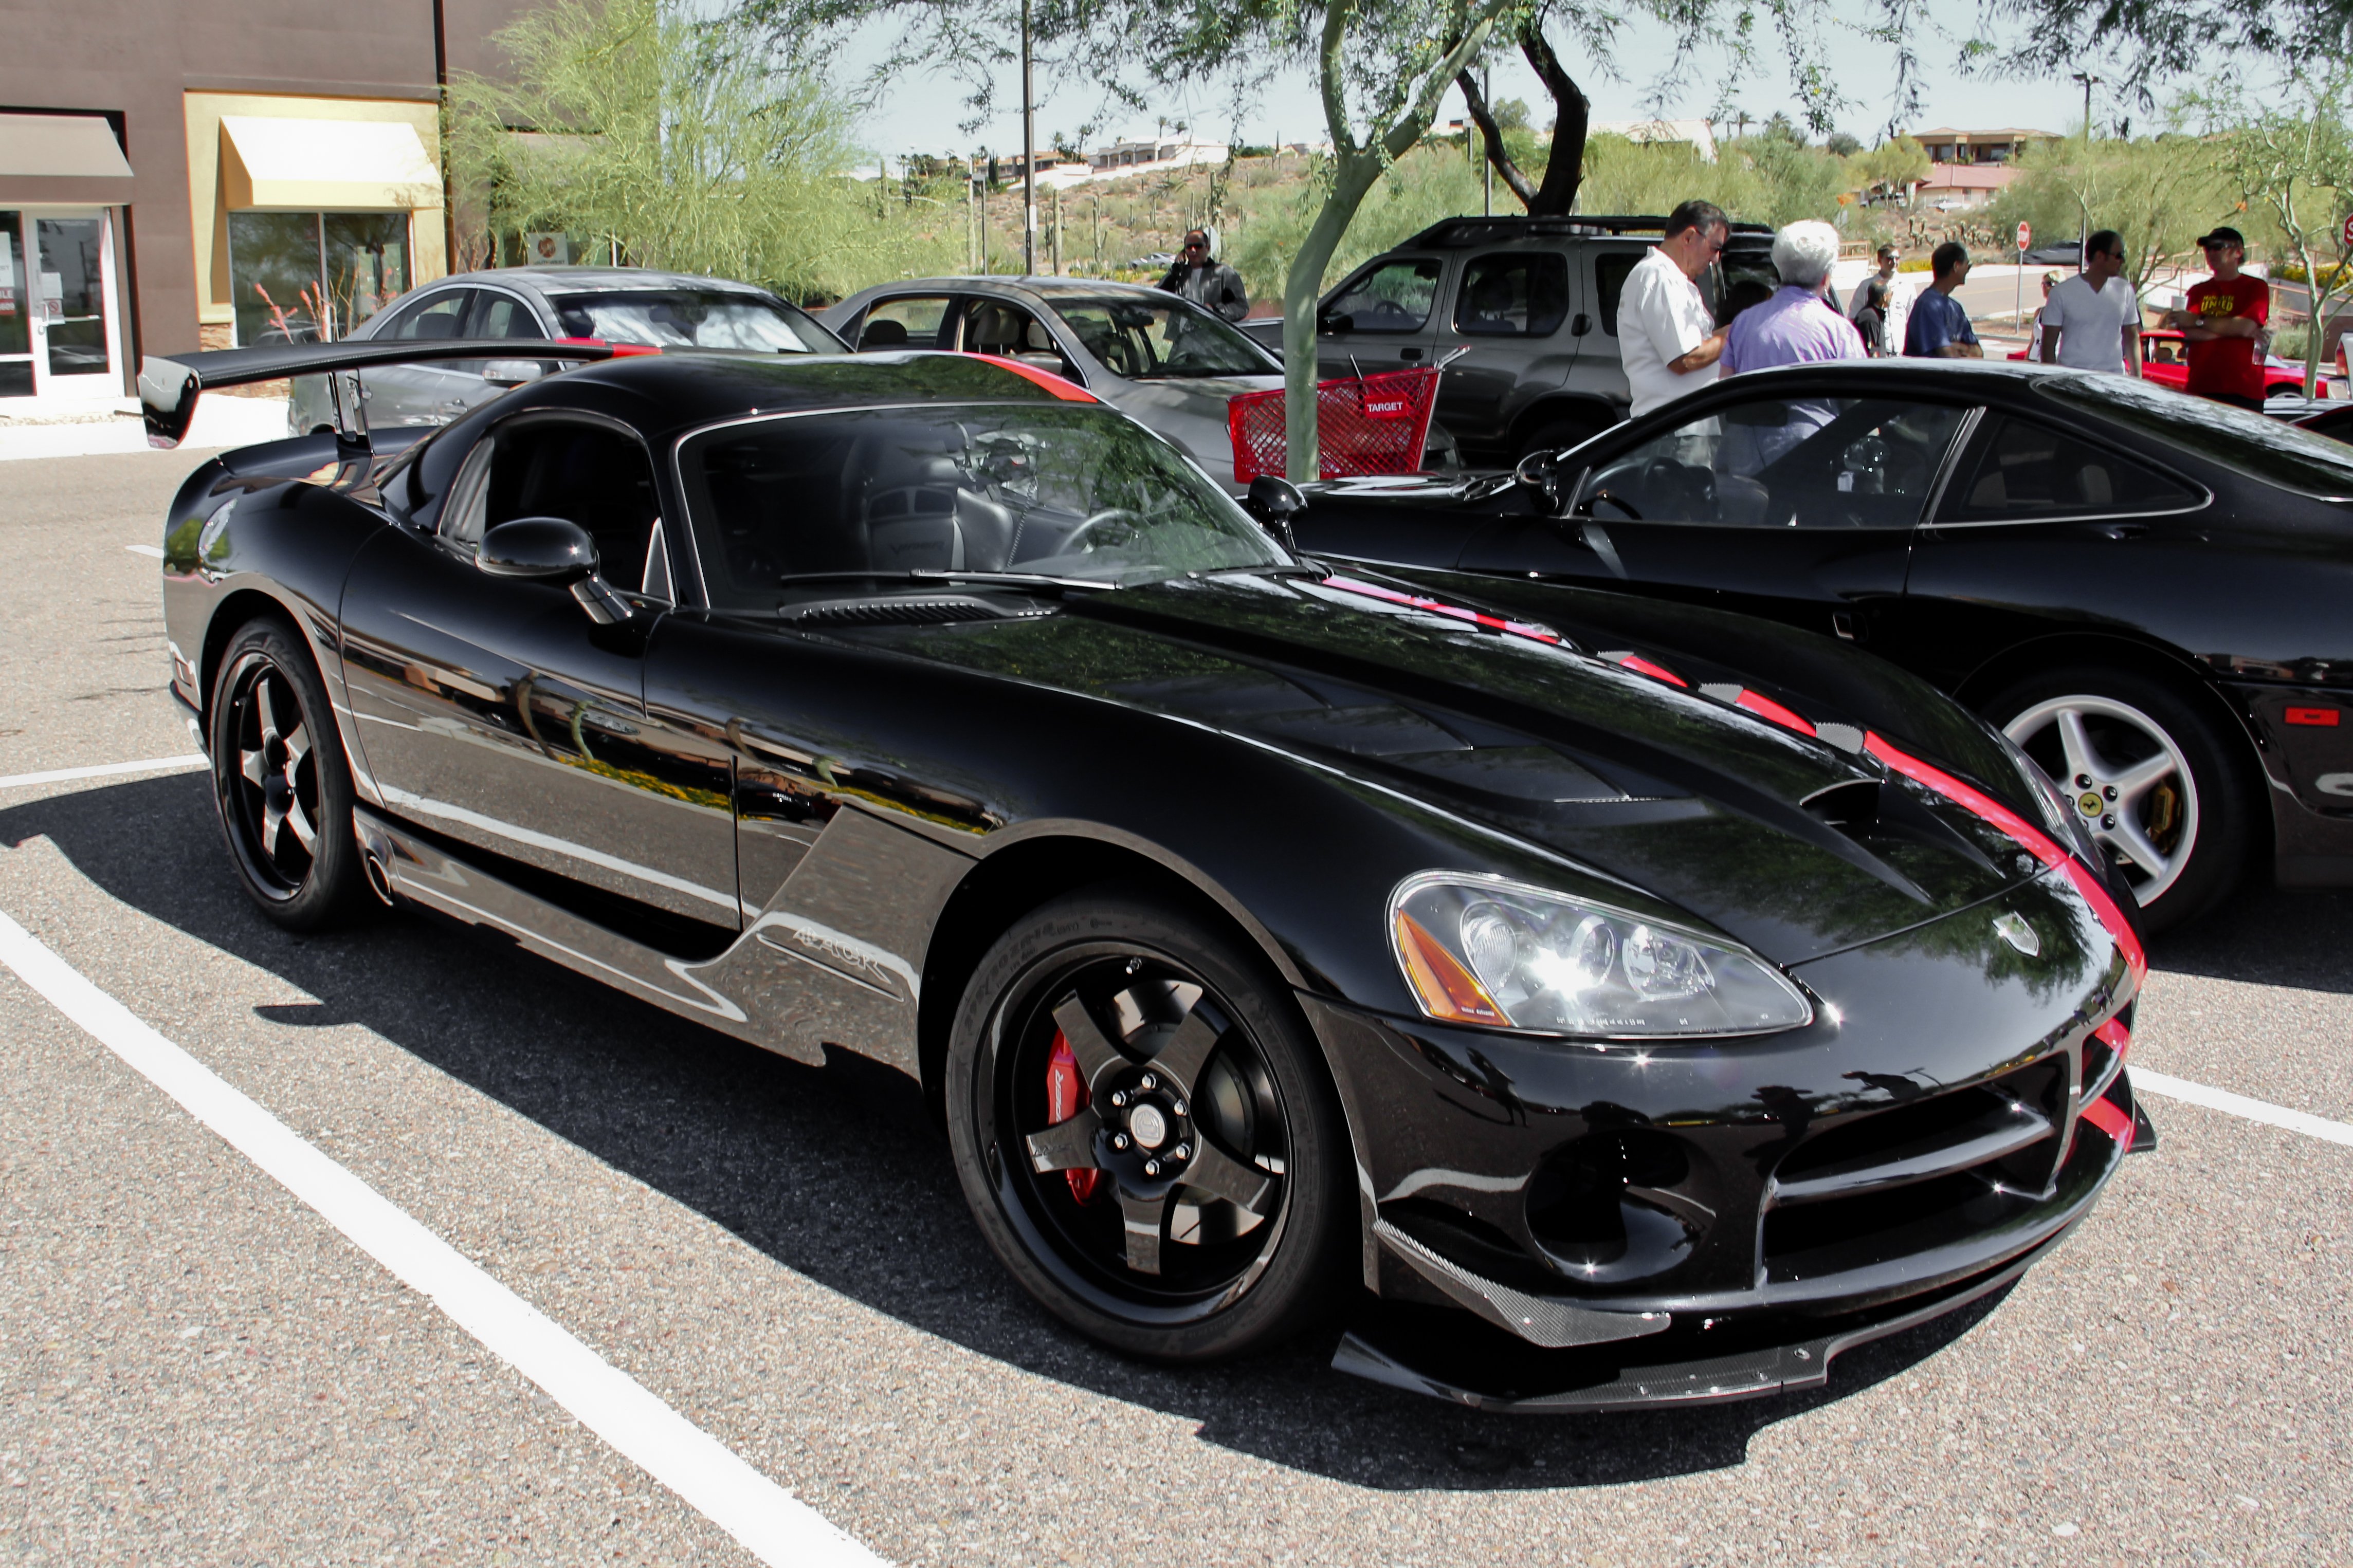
(282, 784)
(2159, 784)
(1147, 1132)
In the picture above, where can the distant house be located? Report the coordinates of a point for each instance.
(1946, 145)
(1120, 157)
(1952, 185)
(1699, 134)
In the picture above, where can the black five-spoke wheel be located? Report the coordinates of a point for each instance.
(1145, 1131)
(282, 782)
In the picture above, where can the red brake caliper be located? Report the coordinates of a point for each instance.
(1066, 1096)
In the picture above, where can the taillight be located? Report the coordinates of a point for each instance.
(2029, 837)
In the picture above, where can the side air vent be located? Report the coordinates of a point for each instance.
(905, 611)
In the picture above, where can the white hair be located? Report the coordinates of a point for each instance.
(1804, 253)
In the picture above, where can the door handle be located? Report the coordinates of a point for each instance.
(1409, 355)
(2126, 529)
(1581, 325)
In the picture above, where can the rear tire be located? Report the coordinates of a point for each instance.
(282, 784)
(1195, 1064)
(2159, 784)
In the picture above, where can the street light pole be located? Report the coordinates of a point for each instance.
(2083, 233)
(1028, 155)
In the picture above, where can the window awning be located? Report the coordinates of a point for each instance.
(62, 158)
(324, 165)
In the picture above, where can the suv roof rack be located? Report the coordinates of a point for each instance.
(1454, 231)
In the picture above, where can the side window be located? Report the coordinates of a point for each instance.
(442, 316)
(2020, 470)
(505, 316)
(906, 323)
(1394, 297)
(589, 474)
(993, 327)
(1610, 268)
(1839, 462)
(1522, 294)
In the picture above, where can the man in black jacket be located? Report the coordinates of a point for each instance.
(1201, 277)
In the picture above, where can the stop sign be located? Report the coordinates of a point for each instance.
(2024, 233)
(2348, 231)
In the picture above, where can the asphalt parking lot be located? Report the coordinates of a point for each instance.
(197, 1366)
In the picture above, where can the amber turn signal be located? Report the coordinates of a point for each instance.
(1449, 991)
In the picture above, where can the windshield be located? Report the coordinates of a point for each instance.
(1146, 339)
(693, 318)
(2252, 443)
(1077, 493)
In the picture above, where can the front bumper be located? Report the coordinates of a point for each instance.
(1958, 1104)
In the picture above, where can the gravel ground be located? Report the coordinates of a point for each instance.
(195, 1368)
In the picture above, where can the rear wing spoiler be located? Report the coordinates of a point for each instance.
(168, 388)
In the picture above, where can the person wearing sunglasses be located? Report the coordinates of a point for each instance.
(1201, 277)
(2224, 325)
(2092, 322)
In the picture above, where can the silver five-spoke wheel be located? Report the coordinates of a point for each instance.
(2127, 779)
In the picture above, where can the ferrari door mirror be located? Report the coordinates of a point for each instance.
(1275, 501)
(511, 372)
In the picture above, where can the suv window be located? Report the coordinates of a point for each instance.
(1518, 294)
(1394, 297)
(1610, 270)
(911, 321)
(2023, 471)
(1833, 462)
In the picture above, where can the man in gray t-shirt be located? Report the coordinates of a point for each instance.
(2093, 319)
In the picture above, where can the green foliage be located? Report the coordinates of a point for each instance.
(1264, 232)
(2160, 192)
(1761, 179)
(680, 146)
(1893, 164)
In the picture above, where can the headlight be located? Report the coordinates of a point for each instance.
(1480, 950)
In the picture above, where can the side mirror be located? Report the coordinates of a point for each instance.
(512, 371)
(549, 549)
(1275, 501)
(552, 550)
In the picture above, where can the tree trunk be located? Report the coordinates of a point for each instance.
(1572, 116)
(1301, 286)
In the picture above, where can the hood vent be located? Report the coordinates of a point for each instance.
(905, 610)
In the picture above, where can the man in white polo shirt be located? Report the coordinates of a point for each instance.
(2093, 320)
(1666, 335)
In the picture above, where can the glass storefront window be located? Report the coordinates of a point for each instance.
(72, 294)
(16, 322)
(309, 277)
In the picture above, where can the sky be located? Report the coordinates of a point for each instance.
(924, 111)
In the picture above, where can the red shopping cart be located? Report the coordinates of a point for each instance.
(1364, 424)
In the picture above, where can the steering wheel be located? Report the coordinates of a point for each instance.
(1077, 543)
(1689, 489)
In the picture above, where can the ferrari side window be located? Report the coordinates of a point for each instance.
(2020, 470)
(588, 474)
(1830, 462)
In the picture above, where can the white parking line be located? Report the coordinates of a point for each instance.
(2222, 1100)
(771, 1522)
(155, 550)
(107, 770)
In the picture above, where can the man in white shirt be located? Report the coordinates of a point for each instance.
(1898, 301)
(2093, 320)
(1666, 335)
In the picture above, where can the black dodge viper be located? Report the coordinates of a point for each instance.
(1668, 1000)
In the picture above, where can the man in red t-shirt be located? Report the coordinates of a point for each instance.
(2224, 325)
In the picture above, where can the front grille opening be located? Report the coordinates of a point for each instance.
(1813, 1239)
(1928, 1122)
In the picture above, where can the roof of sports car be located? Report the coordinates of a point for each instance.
(696, 388)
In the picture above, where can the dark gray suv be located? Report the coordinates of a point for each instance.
(1533, 301)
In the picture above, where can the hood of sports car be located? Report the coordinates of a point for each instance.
(1789, 843)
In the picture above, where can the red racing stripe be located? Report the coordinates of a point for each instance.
(1068, 390)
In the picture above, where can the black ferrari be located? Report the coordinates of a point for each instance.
(1666, 1000)
(2145, 591)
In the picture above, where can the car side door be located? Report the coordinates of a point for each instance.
(424, 393)
(1384, 318)
(1798, 508)
(1511, 320)
(2043, 526)
(498, 713)
(1602, 268)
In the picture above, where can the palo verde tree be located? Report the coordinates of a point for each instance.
(2292, 160)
